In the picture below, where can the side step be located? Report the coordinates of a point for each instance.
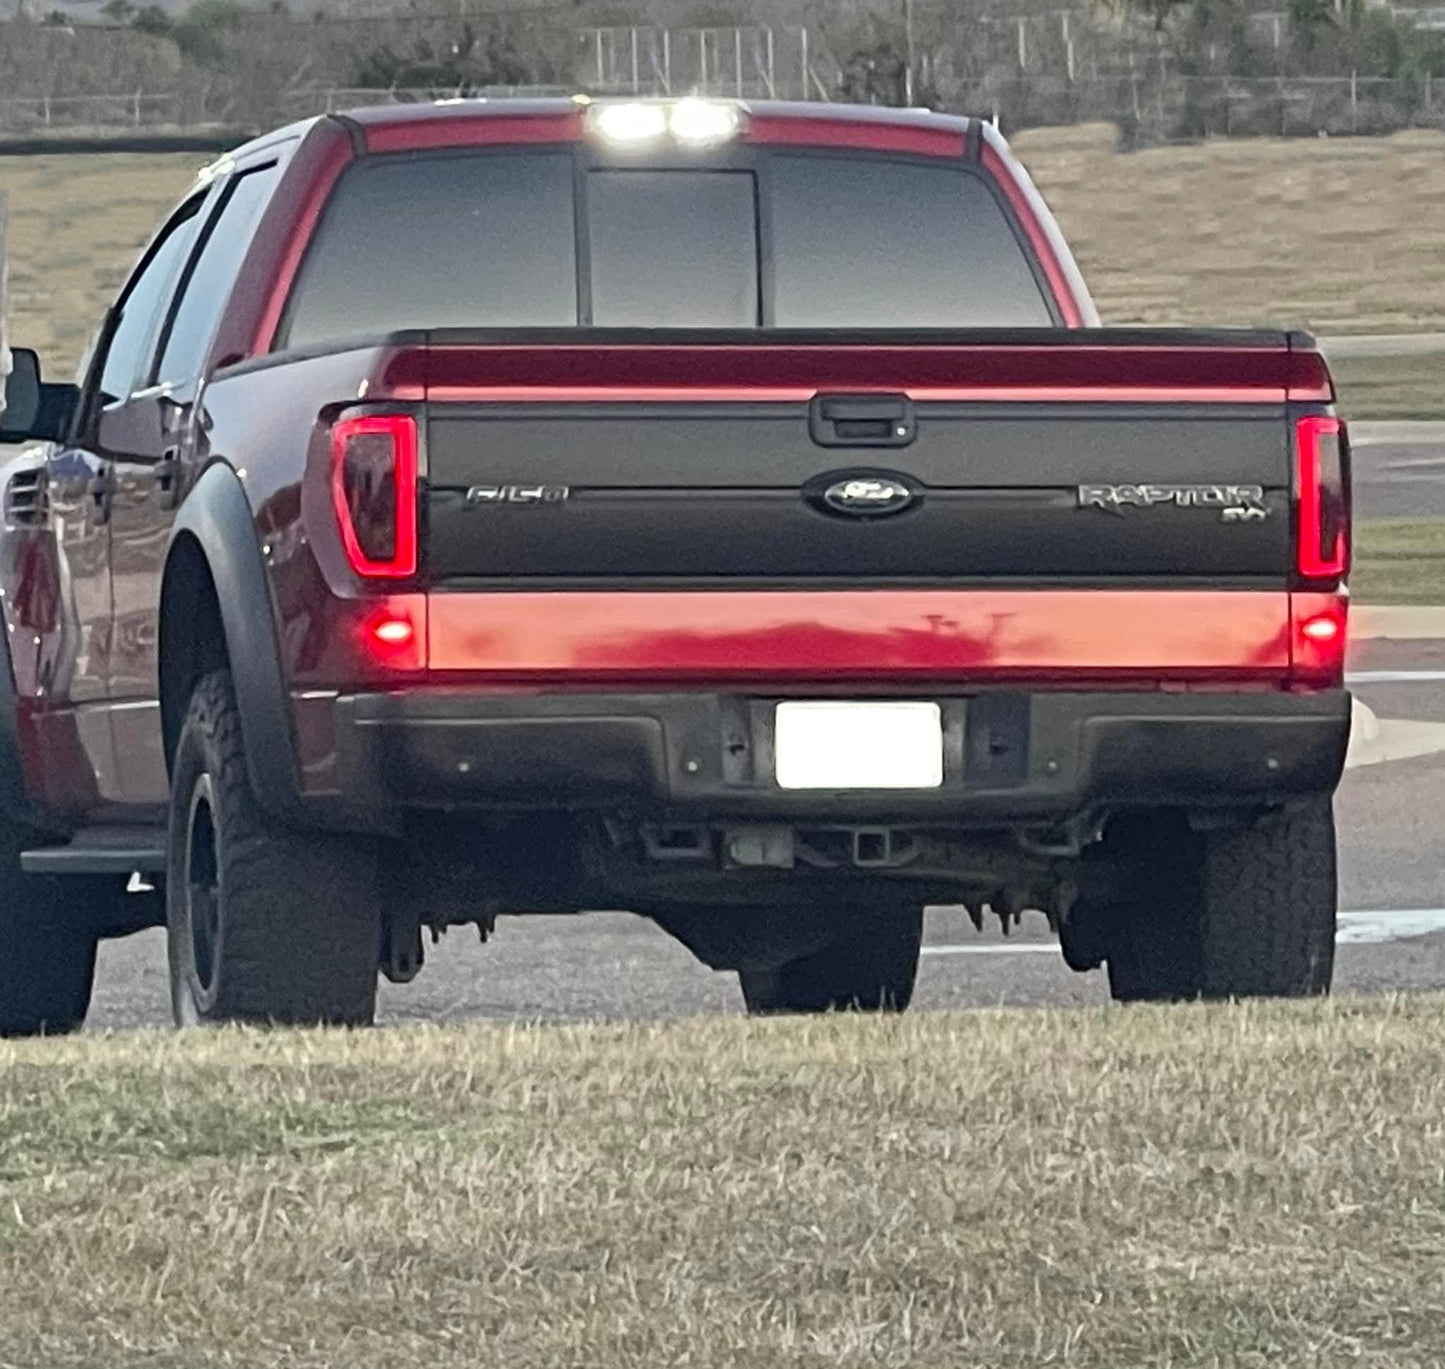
(101, 851)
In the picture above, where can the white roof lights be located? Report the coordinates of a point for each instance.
(690, 122)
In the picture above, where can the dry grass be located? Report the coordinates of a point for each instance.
(1343, 235)
(1206, 1186)
(1398, 561)
(77, 224)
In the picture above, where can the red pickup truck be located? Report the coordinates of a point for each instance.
(730, 512)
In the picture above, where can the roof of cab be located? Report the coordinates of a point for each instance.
(371, 116)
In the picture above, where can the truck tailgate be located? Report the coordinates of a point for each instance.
(639, 464)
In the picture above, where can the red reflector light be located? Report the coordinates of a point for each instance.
(1323, 513)
(373, 487)
(393, 631)
(1321, 622)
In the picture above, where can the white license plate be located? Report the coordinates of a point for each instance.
(828, 744)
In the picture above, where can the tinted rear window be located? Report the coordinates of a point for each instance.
(673, 249)
(488, 240)
(441, 242)
(894, 245)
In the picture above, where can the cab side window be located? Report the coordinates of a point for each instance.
(207, 283)
(144, 302)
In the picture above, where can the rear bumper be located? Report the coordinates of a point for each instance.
(1008, 756)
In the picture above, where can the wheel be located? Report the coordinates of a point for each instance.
(870, 966)
(264, 923)
(1230, 913)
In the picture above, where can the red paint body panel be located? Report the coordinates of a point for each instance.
(1065, 373)
(445, 129)
(920, 140)
(867, 635)
(1069, 308)
(279, 242)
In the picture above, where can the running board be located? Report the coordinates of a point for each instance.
(101, 851)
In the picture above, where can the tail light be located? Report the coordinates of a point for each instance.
(1324, 515)
(373, 485)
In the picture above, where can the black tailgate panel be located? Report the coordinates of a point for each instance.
(717, 490)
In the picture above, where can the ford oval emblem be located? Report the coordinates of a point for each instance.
(868, 496)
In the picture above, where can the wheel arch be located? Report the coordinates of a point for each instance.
(216, 611)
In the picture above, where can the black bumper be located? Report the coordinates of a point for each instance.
(1007, 756)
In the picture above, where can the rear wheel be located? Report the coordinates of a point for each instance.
(1233, 913)
(48, 933)
(870, 965)
(265, 923)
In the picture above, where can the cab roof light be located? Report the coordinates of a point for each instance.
(689, 122)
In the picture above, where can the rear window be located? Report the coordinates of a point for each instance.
(894, 245)
(492, 240)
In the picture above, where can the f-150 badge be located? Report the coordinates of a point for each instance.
(517, 494)
(1236, 503)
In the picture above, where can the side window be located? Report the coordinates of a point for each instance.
(141, 305)
(213, 272)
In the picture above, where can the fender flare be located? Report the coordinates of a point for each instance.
(217, 513)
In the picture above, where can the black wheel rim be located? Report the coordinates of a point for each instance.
(203, 886)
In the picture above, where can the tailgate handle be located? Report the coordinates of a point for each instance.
(862, 420)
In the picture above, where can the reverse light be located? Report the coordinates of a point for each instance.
(374, 490)
(1324, 515)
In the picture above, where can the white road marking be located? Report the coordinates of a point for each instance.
(1355, 929)
(1374, 677)
(996, 948)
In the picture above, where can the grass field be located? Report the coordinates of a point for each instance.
(1399, 561)
(1256, 1185)
(1391, 387)
(1340, 235)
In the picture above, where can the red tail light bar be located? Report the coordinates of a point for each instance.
(1324, 514)
(374, 490)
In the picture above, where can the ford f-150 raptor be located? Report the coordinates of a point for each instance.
(731, 512)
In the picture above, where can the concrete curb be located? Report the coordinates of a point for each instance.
(1374, 741)
(1396, 622)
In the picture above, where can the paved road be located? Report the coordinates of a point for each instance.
(1399, 469)
(617, 966)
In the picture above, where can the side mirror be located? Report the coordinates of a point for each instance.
(33, 410)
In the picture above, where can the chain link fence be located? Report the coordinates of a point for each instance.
(1040, 69)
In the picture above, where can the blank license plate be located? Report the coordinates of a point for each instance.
(831, 744)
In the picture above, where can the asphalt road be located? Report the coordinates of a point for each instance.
(613, 965)
(1398, 469)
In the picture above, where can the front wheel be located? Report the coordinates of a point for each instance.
(264, 923)
(870, 965)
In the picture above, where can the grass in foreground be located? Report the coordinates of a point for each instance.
(1260, 1185)
(1399, 561)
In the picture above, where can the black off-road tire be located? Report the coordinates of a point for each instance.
(870, 966)
(265, 923)
(1232, 913)
(48, 933)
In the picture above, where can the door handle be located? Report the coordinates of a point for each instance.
(862, 420)
(102, 489)
(168, 476)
